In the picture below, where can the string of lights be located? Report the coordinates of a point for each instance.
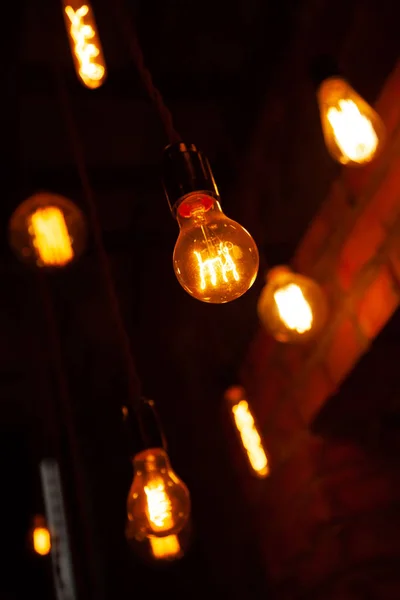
(215, 259)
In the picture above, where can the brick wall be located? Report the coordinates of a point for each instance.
(328, 507)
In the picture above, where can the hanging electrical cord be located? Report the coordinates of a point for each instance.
(136, 53)
(134, 385)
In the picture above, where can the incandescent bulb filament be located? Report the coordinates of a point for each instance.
(158, 505)
(85, 44)
(250, 437)
(354, 133)
(216, 268)
(293, 308)
(50, 236)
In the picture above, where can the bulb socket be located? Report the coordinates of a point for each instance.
(323, 67)
(143, 427)
(185, 170)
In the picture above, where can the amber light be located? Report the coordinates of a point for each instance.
(249, 435)
(50, 236)
(291, 307)
(158, 503)
(41, 538)
(47, 230)
(165, 547)
(85, 43)
(353, 131)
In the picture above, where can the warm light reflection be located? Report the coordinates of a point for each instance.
(250, 438)
(354, 133)
(165, 547)
(87, 53)
(50, 236)
(217, 268)
(159, 506)
(293, 308)
(41, 540)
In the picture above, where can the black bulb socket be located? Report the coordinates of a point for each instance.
(143, 427)
(323, 67)
(185, 169)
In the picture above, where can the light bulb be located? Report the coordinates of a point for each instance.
(354, 133)
(215, 259)
(41, 538)
(47, 230)
(247, 429)
(292, 307)
(85, 43)
(158, 502)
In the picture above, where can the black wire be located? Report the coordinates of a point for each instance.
(134, 384)
(137, 56)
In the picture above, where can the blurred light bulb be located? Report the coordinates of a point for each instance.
(158, 503)
(47, 230)
(215, 259)
(41, 538)
(353, 131)
(291, 307)
(248, 432)
(85, 43)
(166, 547)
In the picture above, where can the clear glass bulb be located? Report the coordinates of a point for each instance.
(292, 307)
(158, 502)
(85, 43)
(354, 132)
(215, 259)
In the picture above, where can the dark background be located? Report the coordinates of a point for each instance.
(237, 79)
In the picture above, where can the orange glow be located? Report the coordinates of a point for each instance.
(166, 547)
(85, 45)
(41, 540)
(250, 437)
(293, 308)
(50, 236)
(353, 131)
(159, 508)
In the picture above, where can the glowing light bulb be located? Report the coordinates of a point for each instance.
(41, 537)
(292, 307)
(215, 259)
(47, 230)
(85, 43)
(353, 131)
(249, 435)
(158, 503)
